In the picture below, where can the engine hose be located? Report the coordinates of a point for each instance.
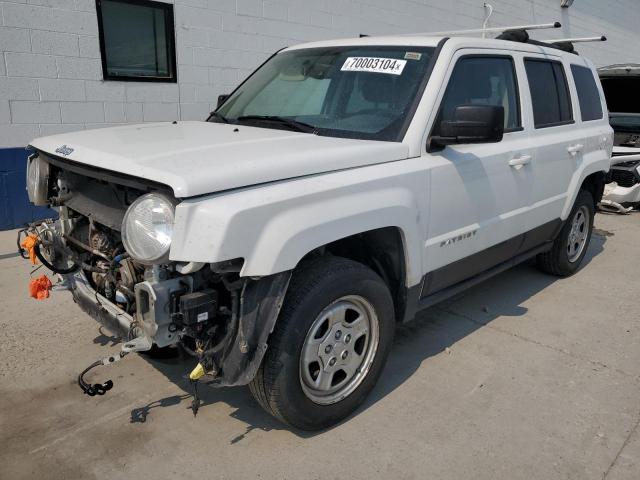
(23, 253)
(188, 350)
(45, 262)
(87, 248)
(97, 388)
(91, 268)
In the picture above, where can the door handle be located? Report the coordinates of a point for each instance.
(519, 161)
(575, 149)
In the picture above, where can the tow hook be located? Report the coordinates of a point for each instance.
(97, 388)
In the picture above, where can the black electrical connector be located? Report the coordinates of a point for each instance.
(98, 388)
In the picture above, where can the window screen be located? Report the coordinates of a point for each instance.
(588, 95)
(483, 81)
(307, 99)
(549, 93)
(137, 40)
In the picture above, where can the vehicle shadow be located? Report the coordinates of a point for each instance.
(434, 330)
(105, 338)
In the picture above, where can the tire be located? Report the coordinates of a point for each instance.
(563, 260)
(283, 383)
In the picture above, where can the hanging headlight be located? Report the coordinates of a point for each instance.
(37, 180)
(147, 228)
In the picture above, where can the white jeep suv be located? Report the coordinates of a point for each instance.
(340, 189)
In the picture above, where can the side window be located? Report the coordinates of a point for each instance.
(588, 95)
(483, 81)
(549, 93)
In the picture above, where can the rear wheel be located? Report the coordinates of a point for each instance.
(329, 346)
(572, 243)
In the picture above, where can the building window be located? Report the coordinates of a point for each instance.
(137, 40)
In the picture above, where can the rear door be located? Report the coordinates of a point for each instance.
(592, 108)
(479, 194)
(560, 143)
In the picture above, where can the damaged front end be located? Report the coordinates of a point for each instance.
(103, 248)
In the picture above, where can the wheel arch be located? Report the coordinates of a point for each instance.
(381, 249)
(591, 179)
(594, 184)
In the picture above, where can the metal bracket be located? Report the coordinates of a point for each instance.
(138, 344)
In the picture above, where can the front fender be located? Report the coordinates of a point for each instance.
(272, 227)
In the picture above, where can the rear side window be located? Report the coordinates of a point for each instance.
(549, 93)
(588, 95)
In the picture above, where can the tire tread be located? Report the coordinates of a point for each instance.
(305, 279)
(550, 261)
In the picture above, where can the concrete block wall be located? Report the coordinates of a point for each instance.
(51, 78)
(50, 68)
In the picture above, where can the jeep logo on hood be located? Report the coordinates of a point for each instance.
(64, 150)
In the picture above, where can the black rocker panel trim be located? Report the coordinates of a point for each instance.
(470, 266)
(482, 261)
(458, 276)
(544, 233)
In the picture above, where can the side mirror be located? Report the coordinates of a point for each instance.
(221, 99)
(471, 124)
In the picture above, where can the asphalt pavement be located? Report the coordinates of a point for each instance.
(525, 376)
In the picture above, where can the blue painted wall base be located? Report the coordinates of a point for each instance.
(15, 209)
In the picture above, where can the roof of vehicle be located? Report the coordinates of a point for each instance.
(425, 40)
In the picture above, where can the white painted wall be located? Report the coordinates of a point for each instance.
(51, 78)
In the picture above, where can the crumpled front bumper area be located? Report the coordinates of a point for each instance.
(113, 318)
(229, 340)
(152, 326)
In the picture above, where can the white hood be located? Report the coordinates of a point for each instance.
(196, 158)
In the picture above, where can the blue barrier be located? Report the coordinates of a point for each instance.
(15, 209)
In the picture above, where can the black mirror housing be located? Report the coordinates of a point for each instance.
(472, 124)
(221, 99)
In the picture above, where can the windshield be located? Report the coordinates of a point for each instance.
(354, 92)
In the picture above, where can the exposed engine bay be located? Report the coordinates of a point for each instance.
(207, 310)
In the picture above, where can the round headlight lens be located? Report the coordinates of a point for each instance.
(37, 180)
(147, 228)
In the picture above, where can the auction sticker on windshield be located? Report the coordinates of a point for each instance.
(392, 66)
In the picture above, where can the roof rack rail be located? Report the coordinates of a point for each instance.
(564, 44)
(601, 38)
(541, 26)
(520, 34)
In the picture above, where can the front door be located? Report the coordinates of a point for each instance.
(479, 194)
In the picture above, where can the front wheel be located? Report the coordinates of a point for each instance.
(329, 346)
(571, 245)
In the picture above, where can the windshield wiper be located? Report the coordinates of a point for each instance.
(296, 125)
(219, 116)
